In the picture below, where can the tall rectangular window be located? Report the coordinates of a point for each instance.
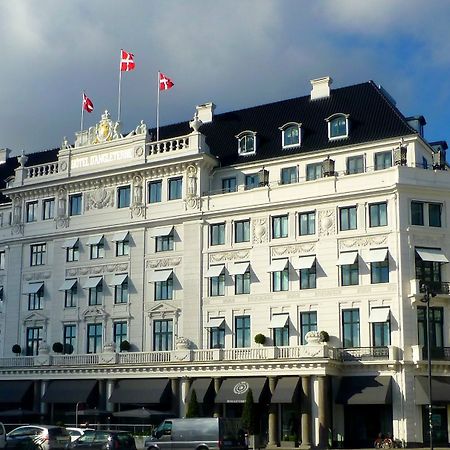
(436, 326)
(32, 211)
(69, 338)
(378, 214)
(120, 333)
(251, 181)
(217, 285)
(279, 227)
(123, 247)
(123, 196)
(217, 232)
(48, 208)
(229, 185)
(2, 260)
(307, 223)
(154, 191)
(242, 283)
(314, 171)
(164, 289)
(175, 188)
(217, 337)
(33, 339)
(289, 175)
(347, 218)
(429, 273)
(242, 231)
(281, 336)
(94, 338)
(75, 204)
(96, 294)
(350, 327)
(379, 272)
(355, 164)
(98, 250)
(37, 254)
(162, 335)
(242, 331)
(70, 297)
(383, 160)
(121, 292)
(308, 322)
(308, 277)
(73, 253)
(164, 243)
(417, 213)
(434, 214)
(35, 300)
(280, 280)
(350, 274)
(381, 334)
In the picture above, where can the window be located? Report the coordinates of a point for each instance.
(217, 285)
(73, 253)
(217, 231)
(162, 335)
(217, 336)
(350, 328)
(381, 332)
(313, 171)
(121, 292)
(120, 333)
(123, 247)
(417, 213)
(350, 274)
(70, 296)
(164, 243)
(436, 326)
(378, 214)
(32, 211)
(307, 223)
(434, 214)
(424, 162)
(164, 289)
(379, 271)
(69, 338)
(308, 322)
(347, 218)
(251, 181)
(33, 339)
(96, 294)
(2, 260)
(281, 336)
(242, 331)
(1, 293)
(291, 136)
(242, 283)
(280, 280)
(75, 204)
(242, 231)
(48, 209)
(154, 191)
(37, 256)
(355, 164)
(229, 185)
(247, 144)
(123, 196)
(98, 250)
(337, 126)
(429, 273)
(279, 227)
(308, 277)
(383, 160)
(35, 298)
(175, 188)
(94, 338)
(289, 175)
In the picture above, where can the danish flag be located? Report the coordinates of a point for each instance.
(126, 61)
(87, 103)
(165, 82)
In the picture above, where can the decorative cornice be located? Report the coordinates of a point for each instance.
(231, 255)
(97, 269)
(294, 249)
(363, 241)
(163, 262)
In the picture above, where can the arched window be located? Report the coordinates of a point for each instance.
(337, 126)
(291, 134)
(246, 142)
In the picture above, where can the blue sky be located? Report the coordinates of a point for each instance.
(235, 53)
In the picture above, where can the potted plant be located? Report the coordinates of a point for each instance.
(68, 349)
(324, 336)
(17, 349)
(260, 339)
(125, 346)
(58, 347)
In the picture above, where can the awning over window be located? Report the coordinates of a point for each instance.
(161, 231)
(32, 288)
(13, 391)
(440, 390)
(139, 391)
(303, 262)
(118, 279)
(238, 268)
(159, 275)
(432, 254)
(120, 236)
(215, 322)
(277, 265)
(94, 240)
(377, 255)
(92, 282)
(70, 243)
(379, 315)
(67, 285)
(347, 258)
(365, 390)
(279, 320)
(69, 391)
(286, 390)
(215, 271)
(234, 390)
(201, 386)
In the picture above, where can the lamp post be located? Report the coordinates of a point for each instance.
(426, 299)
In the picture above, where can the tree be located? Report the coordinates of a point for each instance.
(249, 414)
(193, 409)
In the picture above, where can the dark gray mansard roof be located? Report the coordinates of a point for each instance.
(372, 117)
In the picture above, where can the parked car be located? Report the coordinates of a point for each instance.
(38, 437)
(2, 436)
(75, 433)
(104, 440)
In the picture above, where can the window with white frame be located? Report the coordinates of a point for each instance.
(355, 164)
(48, 208)
(246, 143)
(307, 223)
(378, 214)
(337, 126)
(242, 231)
(120, 333)
(123, 196)
(291, 135)
(217, 233)
(383, 160)
(32, 211)
(314, 171)
(289, 175)
(2, 260)
(162, 335)
(75, 204)
(280, 226)
(37, 254)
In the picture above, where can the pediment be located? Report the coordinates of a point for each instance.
(163, 309)
(35, 318)
(94, 311)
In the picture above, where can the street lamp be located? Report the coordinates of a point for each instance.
(426, 299)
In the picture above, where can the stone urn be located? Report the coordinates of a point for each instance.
(313, 338)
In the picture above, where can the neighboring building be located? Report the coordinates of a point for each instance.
(301, 219)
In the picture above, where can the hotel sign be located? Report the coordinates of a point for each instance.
(102, 158)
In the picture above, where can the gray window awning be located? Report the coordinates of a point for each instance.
(347, 258)
(365, 390)
(286, 390)
(118, 279)
(70, 243)
(277, 265)
(120, 236)
(279, 320)
(440, 390)
(161, 231)
(140, 391)
(432, 254)
(215, 271)
(159, 275)
(69, 391)
(92, 282)
(68, 285)
(32, 288)
(13, 391)
(234, 390)
(377, 255)
(202, 387)
(303, 262)
(215, 322)
(379, 315)
(238, 268)
(94, 240)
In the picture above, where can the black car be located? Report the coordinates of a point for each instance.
(104, 440)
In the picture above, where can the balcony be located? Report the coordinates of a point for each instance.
(438, 288)
(366, 353)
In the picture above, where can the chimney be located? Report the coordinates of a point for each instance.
(417, 122)
(320, 87)
(4, 154)
(205, 112)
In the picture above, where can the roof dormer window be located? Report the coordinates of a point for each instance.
(337, 126)
(247, 143)
(291, 134)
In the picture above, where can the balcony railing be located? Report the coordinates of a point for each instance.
(437, 353)
(442, 287)
(363, 353)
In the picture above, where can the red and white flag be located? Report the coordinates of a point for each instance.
(126, 61)
(164, 82)
(87, 103)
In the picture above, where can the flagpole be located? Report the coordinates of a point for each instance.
(82, 110)
(157, 109)
(118, 103)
